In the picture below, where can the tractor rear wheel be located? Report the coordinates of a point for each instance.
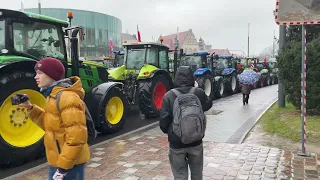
(151, 93)
(220, 89)
(232, 83)
(205, 83)
(262, 82)
(21, 140)
(273, 80)
(114, 111)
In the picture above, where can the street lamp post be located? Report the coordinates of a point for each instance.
(39, 6)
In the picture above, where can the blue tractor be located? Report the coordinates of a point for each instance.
(202, 65)
(226, 67)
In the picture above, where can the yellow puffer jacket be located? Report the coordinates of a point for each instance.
(65, 136)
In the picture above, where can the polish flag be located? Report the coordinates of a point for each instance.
(111, 45)
(139, 36)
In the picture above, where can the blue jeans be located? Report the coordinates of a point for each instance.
(76, 173)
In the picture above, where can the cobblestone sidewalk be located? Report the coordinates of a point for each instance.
(144, 156)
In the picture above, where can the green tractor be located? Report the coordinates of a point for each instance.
(25, 38)
(145, 75)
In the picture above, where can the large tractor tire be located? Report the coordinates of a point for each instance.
(21, 140)
(151, 94)
(219, 89)
(232, 84)
(270, 80)
(276, 80)
(205, 83)
(113, 115)
(262, 82)
(273, 79)
(256, 85)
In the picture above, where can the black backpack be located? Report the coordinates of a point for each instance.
(92, 133)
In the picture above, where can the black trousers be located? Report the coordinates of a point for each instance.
(245, 98)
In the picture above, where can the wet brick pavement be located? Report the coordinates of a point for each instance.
(144, 156)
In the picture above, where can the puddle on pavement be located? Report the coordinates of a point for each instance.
(213, 112)
(257, 136)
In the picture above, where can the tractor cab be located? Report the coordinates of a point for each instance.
(195, 60)
(224, 64)
(29, 35)
(138, 55)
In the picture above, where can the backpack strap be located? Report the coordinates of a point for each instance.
(192, 90)
(176, 92)
(58, 100)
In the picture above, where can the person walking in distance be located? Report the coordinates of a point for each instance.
(245, 90)
(182, 118)
(65, 136)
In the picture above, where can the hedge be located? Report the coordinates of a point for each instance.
(289, 63)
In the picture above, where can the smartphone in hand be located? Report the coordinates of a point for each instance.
(19, 99)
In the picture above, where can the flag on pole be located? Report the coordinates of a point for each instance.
(111, 45)
(139, 36)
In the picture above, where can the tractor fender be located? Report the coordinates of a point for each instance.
(201, 71)
(96, 96)
(21, 65)
(227, 71)
(162, 72)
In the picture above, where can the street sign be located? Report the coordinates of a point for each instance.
(300, 12)
(297, 12)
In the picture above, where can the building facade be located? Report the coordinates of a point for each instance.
(99, 29)
(128, 38)
(188, 42)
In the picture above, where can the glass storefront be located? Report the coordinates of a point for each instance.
(98, 29)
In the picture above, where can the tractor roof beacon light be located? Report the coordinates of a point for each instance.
(70, 17)
(161, 40)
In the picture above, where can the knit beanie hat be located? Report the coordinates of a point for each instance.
(51, 67)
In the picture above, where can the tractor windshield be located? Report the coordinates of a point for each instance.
(135, 58)
(193, 61)
(38, 39)
(222, 63)
(2, 35)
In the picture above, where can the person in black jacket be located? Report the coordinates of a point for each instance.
(181, 155)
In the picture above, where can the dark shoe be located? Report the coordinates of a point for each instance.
(244, 103)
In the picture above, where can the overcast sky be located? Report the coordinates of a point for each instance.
(222, 23)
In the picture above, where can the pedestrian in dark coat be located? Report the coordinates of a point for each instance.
(245, 90)
(183, 155)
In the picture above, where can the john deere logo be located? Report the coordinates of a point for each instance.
(39, 65)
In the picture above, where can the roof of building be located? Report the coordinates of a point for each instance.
(128, 37)
(170, 39)
(221, 52)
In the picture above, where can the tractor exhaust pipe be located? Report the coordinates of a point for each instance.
(74, 52)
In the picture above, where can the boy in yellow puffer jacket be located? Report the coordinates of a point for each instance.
(65, 136)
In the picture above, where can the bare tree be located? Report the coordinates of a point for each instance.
(270, 51)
